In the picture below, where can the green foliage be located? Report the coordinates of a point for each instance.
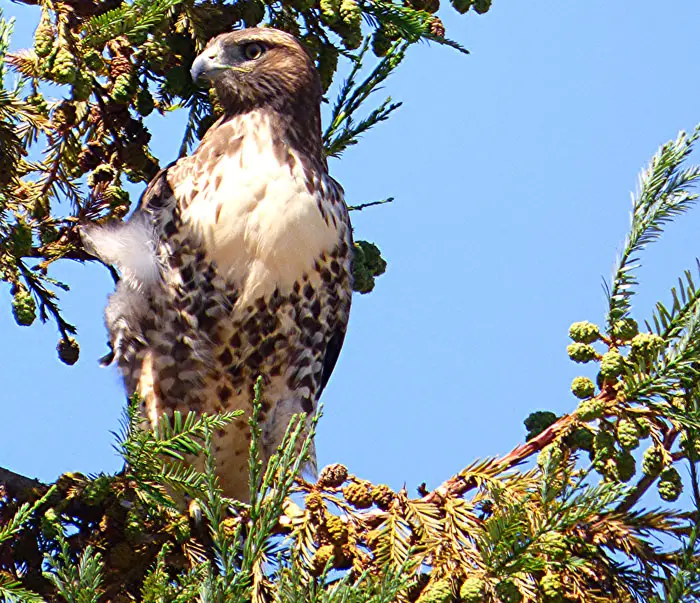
(664, 193)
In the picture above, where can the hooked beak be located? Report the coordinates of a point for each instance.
(206, 66)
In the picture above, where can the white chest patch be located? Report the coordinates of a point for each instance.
(254, 213)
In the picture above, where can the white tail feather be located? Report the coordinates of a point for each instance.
(130, 246)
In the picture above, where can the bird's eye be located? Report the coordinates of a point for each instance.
(253, 51)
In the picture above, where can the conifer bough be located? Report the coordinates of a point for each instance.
(569, 528)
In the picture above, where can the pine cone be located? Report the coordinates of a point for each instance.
(383, 496)
(102, 173)
(670, 485)
(380, 43)
(652, 461)
(68, 351)
(628, 434)
(437, 28)
(88, 159)
(582, 387)
(123, 88)
(314, 502)
(350, 13)
(327, 64)
(462, 6)
(472, 590)
(63, 70)
(336, 529)
(321, 558)
(23, 307)
(330, 10)
(253, 11)
(44, 36)
(581, 352)
(144, 102)
(82, 87)
(64, 116)
(358, 494)
(332, 476)
(120, 65)
(432, 6)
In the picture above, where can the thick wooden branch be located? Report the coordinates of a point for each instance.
(21, 487)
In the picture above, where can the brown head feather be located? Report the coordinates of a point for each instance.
(282, 80)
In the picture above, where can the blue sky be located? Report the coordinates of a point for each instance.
(511, 169)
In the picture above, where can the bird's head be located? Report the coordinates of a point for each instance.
(258, 67)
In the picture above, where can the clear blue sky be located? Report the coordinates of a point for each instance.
(511, 169)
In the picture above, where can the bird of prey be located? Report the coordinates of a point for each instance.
(236, 262)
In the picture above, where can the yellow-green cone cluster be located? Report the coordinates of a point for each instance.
(96, 490)
(652, 461)
(44, 36)
(82, 87)
(624, 467)
(321, 558)
(584, 332)
(645, 346)
(582, 387)
(643, 426)
(337, 529)
(507, 592)
(64, 68)
(22, 238)
(612, 364)
(439, 591)
(23, 307)
(461, 6)
(628, 434)
(670, 485)
(473, 590)
(93, 60)
(591, 409)
(551, 585)
(690, 446)
(327, 64)
(102, 173)
(603, 451)
(330, 9)
(350, 13)
(358, 494)
(367, 264)
(625, 329)
(581, 352)
(124, 88)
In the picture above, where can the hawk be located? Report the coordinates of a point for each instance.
(237, 261)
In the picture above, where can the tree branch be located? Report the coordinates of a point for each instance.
(20, 487)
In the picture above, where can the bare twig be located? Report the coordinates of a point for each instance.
(371, 204)
(458, 485)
